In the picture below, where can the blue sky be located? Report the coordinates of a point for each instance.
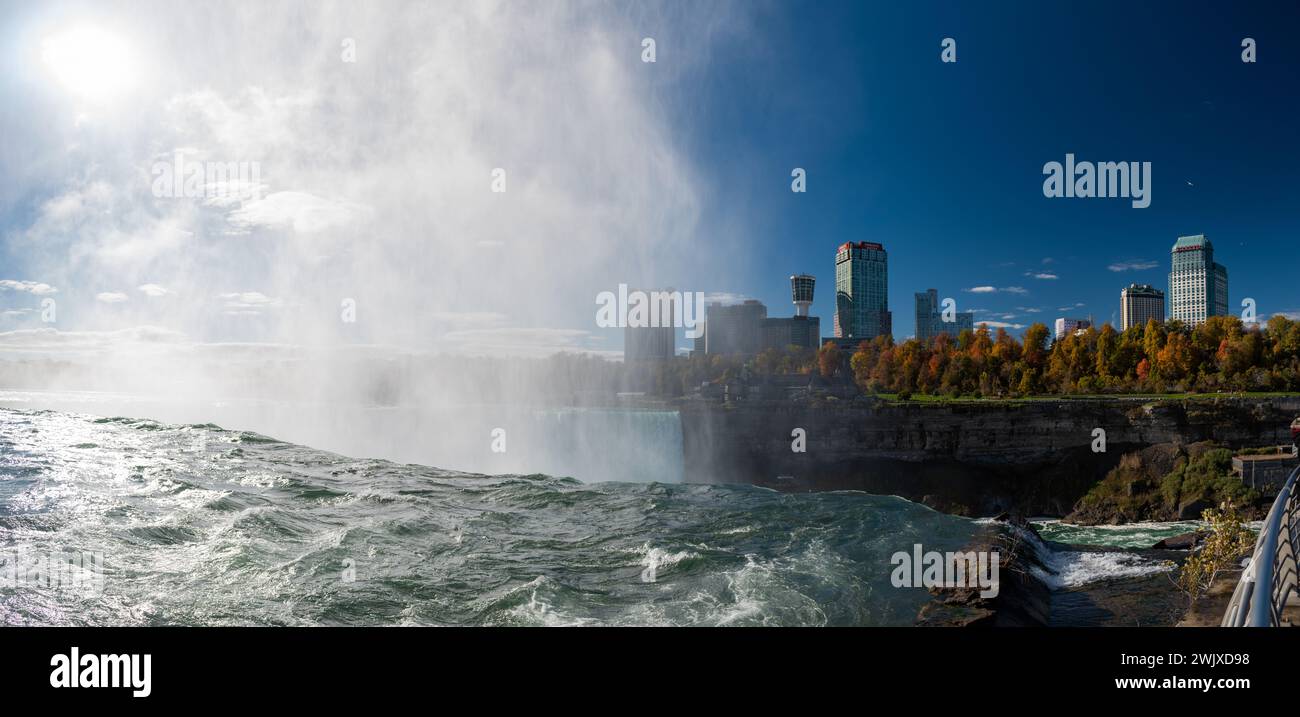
(942, 163)
(376, 173)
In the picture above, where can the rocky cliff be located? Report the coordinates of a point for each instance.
(968, 457)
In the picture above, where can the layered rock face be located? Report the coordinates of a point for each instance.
(966, 457)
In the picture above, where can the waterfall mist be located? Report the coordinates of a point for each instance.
(320, 307)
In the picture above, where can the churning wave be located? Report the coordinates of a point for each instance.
(199, 525)
(1064, 569)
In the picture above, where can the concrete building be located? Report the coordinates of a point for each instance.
(1139, 303)
(929, 318)
(734, 330)
(1068, 326)
(1198, 286)
(803, 331)
(862, 291)
(1266, 473)
(799, 330)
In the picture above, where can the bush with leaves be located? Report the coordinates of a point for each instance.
(1228, 540)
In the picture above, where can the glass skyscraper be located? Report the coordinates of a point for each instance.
(929, 318)
(1198, 287)
(862, 291)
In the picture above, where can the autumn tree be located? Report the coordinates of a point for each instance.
(828, 360)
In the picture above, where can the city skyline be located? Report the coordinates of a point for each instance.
(1135, 299)
(942, 164)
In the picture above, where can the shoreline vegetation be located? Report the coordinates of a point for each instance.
(1167, 482)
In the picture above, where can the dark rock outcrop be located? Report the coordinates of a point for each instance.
(1185, 541)
(965, 457)
(1022, 600)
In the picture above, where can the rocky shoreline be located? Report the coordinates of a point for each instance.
(1028, 599)
(1161, 460)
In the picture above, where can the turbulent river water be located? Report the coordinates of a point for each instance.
(199, 525)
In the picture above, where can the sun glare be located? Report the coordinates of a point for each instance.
(89, 62)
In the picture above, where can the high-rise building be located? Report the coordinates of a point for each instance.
(736, 329)
(1198, 287)
(697, 347)
(1066, 326)
(651, 343)
(862, 291)
(1139, 303)
(929, 318)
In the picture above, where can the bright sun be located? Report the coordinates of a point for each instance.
(89, 62)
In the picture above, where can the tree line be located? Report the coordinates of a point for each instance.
(1220, 354)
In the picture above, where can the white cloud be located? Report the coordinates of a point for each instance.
(153, 290)
(996, 290)
(981, 289)
(247, 303)
(535, 342)
(725, 298)
(1042, 275)
(303, 212)
(110, 297)
(998, 325)
(1137, 265)
(31, 287)
(47, 340)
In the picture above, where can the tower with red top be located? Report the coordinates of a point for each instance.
(862, 291)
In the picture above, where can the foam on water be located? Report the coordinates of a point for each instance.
(203, 525)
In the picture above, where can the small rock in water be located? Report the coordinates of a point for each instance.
(1186, 541)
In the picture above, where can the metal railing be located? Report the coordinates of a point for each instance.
(1269, 582)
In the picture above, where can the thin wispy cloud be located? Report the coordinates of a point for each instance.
(996, 290)
(110, 297)
(31, 287)
(726, 298)
(1139, 265)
